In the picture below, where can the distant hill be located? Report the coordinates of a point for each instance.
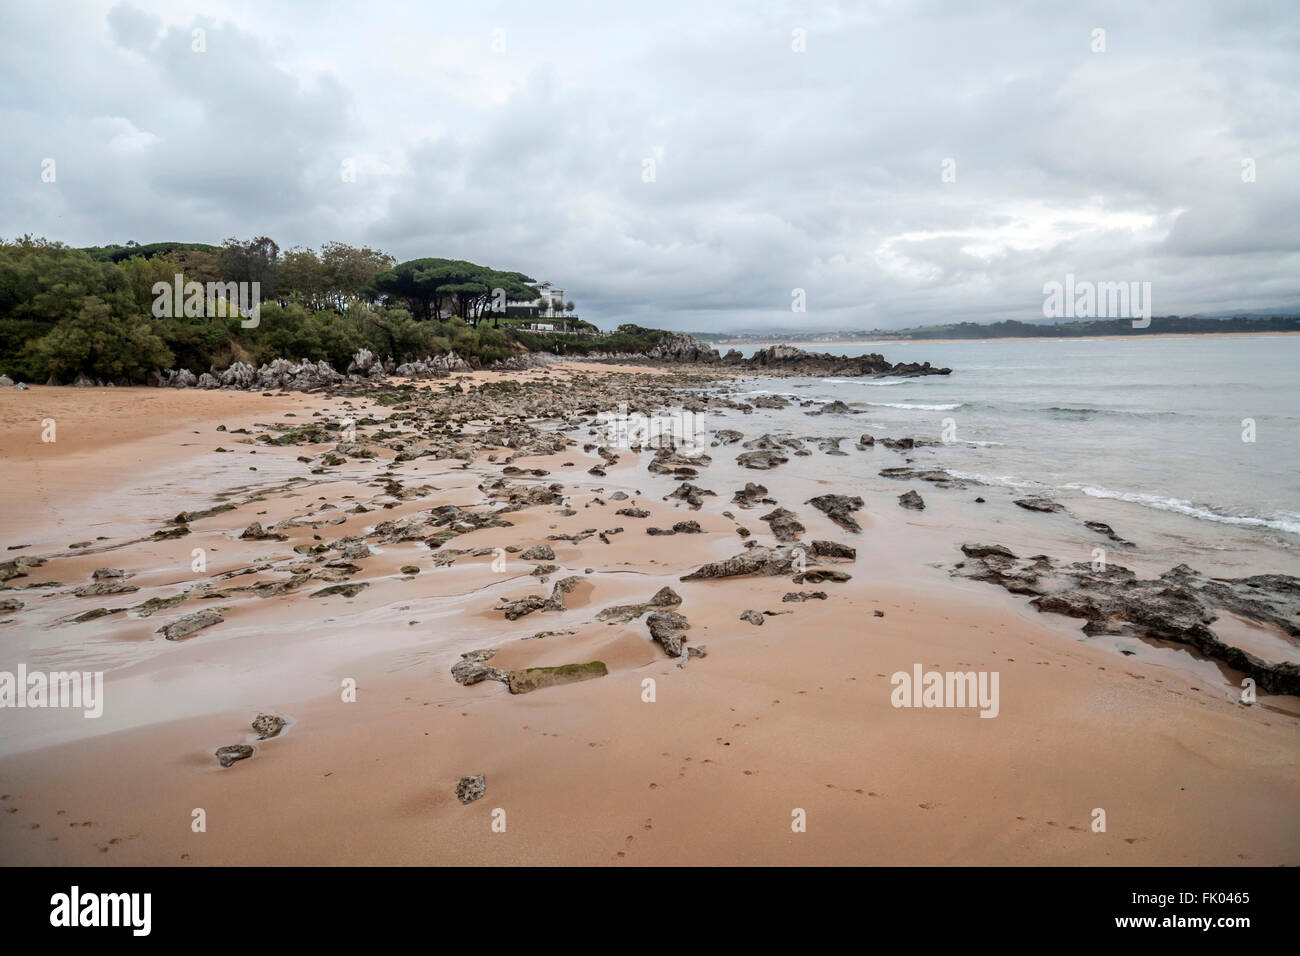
(1160, 325)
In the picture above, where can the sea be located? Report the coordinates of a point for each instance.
(1197, 437)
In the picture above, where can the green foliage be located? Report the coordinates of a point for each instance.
(100, 344)
(66, 311)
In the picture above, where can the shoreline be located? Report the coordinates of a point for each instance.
(793, 713)
(814, 346)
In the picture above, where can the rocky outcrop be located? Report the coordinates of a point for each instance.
(788, 360)
(839, 508)
(1179, 606)
(784, 524)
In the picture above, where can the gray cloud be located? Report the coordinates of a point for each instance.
(774, 170)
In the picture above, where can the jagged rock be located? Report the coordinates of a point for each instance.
(756, 560)
(255, 532)
(839, 508)
(726, 436)
(471, 669)
(785, 525)
(753, 617)
(267, 726)
(910, 499)
(936, 476)
(761, 460)
(82, 381)
(1039, 504)
(622, 613)
(752, 495)
(820, 575)
(834, 408)
(691, 494)
(469, 789)
(228, 755)
(190, 624)
(1179, 606)
(801, 596)
(539, 552)
(833, 549)
(666, 627)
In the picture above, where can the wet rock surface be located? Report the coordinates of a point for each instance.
(1179, 606)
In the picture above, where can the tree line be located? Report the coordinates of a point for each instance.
(66, 311)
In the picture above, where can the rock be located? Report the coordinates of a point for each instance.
(761, 460)
(104, 587)
(267, 726)
(801, 596)
(536, 678)
(347, 590)
(691, 494)
(752, 616)
(633, 512)
(784, 524)
(11, 604)
(82, 381)
(255, 532)
(104, 574)
(1038, 504)
(756, 560)
(936, 476)
(1108, 531)
(1179, 606)
(539, 552)
(471, 669)
(190, 624)
(910, 499)
(470, 789)
(819, 575)
(726, 436)
(795, 362)
(666, 627)
(839, 509)
(228, 755)
(752, 495)
(5, 381)
(834, 408)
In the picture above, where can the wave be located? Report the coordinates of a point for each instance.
(1005, 481)
(872, 383)
(924, 408)
(1285, 521)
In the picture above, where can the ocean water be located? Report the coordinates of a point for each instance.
(1152, 423)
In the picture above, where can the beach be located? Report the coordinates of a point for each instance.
(780, 745)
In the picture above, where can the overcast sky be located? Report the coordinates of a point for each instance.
(521, 135)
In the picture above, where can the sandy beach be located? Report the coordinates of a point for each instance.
(783, 721)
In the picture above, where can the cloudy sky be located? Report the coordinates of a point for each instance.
(680, 165)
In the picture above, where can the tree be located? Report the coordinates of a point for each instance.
(101, 344)
(569, 306)
(429, 286)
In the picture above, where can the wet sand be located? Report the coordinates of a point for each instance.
(794, 715)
